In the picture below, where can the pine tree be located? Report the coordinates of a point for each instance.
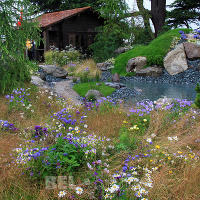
(184, 13)
(197, 100)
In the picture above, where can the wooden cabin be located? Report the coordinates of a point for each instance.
(76, 27)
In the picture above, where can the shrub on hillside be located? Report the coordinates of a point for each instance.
(105, 44)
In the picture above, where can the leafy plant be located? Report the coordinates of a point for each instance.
(197, 99)
(61, 158)
(62, 58)
(74, 80)
(14, 67)
(91, 98)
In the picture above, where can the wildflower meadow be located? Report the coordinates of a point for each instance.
(98, 150)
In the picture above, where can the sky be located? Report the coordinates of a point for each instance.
(147, 5)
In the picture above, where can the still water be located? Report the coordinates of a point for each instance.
(154, 91)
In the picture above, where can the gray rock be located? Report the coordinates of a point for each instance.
(136, 63)
(115, 85)
(37, 81)
(192, 50)
(163, 101)
(121, 50)
(115, 77)
(96, 93)
(150, 71)
(105, 66)
(53, 70)
(175, 61)
(43, 76)
(98, 84)
(197, 140)
(198, 68)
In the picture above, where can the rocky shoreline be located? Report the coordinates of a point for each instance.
(188, 77)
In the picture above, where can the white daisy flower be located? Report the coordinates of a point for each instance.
(61, 194)
(79, 190)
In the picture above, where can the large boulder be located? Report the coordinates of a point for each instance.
(37, 81)
(53, 70)
(94, 93)
(105, 66)
(116, 77)
(150, 71)
(192, 50)
(175, 61)
(136, 63)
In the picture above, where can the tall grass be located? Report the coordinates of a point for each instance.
(182, 183)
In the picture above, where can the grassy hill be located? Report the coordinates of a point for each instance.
(154, 52)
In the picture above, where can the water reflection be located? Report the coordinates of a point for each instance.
(154, 91)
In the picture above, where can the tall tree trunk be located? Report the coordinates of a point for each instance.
(145, 15)
(158, 13)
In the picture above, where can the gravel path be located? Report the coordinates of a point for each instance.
(64, 89)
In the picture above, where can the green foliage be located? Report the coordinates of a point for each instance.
(82, 88)
(155, 51)
(197, 99)
(84, 77)
(114, 31)
(91, 97)
(183, 12)
(61, 58)
(130, 134)
(141, 35)
(61, 158)
(14, 67)
(97, 77)
(56, 5)
(74, 80)
(105, 44)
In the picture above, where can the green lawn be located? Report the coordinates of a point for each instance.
(154, 52)
(82, 88)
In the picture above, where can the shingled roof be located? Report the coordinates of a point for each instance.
(51, 18)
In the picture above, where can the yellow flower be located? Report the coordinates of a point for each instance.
(192, 156)
(169, 158)
(135, 127)
(125, 122)
(151, 160)
(170, 172)
(180, 152)
(145, 120)
(157, 147)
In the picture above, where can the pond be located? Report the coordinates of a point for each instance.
(154, 91)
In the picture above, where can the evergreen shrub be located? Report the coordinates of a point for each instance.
(16, 27)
